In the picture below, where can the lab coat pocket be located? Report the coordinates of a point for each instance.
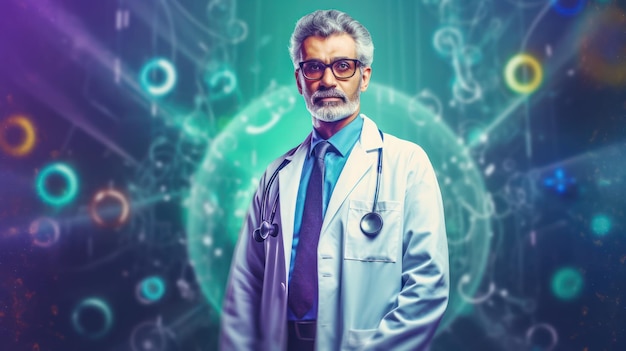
(359, 337)
(380, 248)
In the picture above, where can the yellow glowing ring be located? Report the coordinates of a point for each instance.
(114, 194)
(29, 136)
(514, 63)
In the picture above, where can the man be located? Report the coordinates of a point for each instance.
(313, 269)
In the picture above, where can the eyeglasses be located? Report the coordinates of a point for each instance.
(342, 68)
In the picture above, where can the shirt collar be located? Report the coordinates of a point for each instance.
(343, 140)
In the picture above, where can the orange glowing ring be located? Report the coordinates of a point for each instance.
(112, 194)
(27, 145)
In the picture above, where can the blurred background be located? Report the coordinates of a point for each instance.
(133, 134)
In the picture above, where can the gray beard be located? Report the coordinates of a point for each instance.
(334, 111)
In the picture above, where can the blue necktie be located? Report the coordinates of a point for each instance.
(303, 283)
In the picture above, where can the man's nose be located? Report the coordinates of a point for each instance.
(328, 78)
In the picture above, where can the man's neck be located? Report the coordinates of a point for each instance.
(328, 129)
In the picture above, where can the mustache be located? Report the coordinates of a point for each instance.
(320, 94)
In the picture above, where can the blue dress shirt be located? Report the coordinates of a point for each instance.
(334, 160)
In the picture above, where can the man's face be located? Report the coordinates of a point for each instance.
(330, 99)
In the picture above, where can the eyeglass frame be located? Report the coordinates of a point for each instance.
(357, 64)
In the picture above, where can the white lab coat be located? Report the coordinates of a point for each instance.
(384, 293)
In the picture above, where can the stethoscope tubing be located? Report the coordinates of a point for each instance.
(269, 187)
(364, 219)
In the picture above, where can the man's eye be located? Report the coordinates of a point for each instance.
(342, 65)
(315, 67)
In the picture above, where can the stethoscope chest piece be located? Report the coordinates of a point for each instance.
(371, 224)
(266, 229)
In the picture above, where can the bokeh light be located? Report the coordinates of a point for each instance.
(560, 181)
(602, 49)
(565, 7)
(567, 283)
(601, 224)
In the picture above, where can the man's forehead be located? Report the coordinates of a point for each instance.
(334, 46)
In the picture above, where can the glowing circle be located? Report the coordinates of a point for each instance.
(71, 181)
(567, 10)
(237, 30)
(475, 299)
(26, 145)
(102, 196)
(150, 289)
(221, 80)
(516, 62)
(601, 224)
(225, 182)
(45, 231)
(554, 338)
(567, 283)
(92, 318)
(166, 68)
(228, 77)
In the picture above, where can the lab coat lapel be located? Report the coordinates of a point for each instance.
(288, 184)
(364, 156)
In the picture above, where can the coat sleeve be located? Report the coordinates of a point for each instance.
(240, 310)
(423, 298)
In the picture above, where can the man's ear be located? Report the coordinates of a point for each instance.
(367, 73)
(298, 81)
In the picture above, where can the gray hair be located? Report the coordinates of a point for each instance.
(325, 23)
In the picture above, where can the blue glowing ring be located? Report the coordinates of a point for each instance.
(567, 11)
(170, 77)
(152, 288)
(70, 177)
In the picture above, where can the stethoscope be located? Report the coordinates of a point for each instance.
(371, 222)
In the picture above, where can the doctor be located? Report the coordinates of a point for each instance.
(344, 245)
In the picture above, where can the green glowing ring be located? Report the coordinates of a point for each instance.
(567, 283)
(70, 177)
